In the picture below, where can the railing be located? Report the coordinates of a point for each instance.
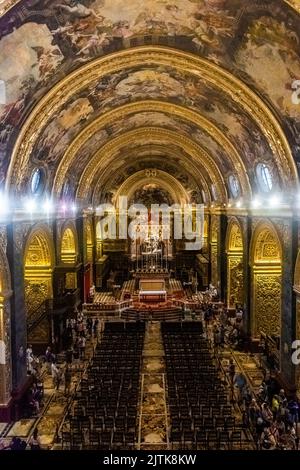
(37, 315)
(115, 307)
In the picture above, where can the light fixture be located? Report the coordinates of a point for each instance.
(30, 205)
(48, 206)
(256, 203)
(239, 204)
(275, 201)
(74, 208)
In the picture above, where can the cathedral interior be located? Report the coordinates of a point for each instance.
(116, 332)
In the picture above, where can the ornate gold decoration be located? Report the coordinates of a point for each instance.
(71, 280)
(161, 178)
(267, 248)
(38, 265)
(267, 303)
(161, 56)
(235, 268)
(192, 168)
(152, 134)
(295, 4)
(36, 292)
(151, 106)
(89, 241)
(6, 5)
(235, 281)
(266, 260)
(68, 253)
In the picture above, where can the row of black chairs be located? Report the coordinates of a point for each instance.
(104, 412)
(201, 415)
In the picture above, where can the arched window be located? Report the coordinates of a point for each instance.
(37, 181)
(264, 177)
(234, 186)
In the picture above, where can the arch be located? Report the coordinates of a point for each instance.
(160, 178)
(170, 109)
(38, 269)
(213, 74)
(266, 263)
(68, 247)
(235, 268)
(104, 157)
(5, 344)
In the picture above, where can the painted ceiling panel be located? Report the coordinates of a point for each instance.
(41, 42)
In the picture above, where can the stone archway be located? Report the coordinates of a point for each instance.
(38, 270)
(235, 271)
(69, 254)
(266, 261)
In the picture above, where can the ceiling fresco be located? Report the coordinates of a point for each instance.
(163, 84)
(41, 42)
(140, 159)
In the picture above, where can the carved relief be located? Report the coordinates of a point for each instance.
(267, 303)
(236, 281)
(214, 265)
(36, 292)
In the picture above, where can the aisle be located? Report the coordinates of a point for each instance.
(153, 419)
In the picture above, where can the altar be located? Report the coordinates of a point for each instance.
(152, 290)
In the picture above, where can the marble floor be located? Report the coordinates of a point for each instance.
(153, 418)
(50, 419)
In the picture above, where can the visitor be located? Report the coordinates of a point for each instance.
(68, 380)
(35, 442)
(267, 440)
(55, 376)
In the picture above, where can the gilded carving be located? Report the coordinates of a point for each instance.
(36, 292)
(214, 265)
(235, 281)
(267, 303)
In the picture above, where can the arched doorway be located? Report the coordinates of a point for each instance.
(69, 255)
(266, 259)
(235, 272)
(5, 346)
(38, 269)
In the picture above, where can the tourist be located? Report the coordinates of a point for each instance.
(267, 440)
(68, 380)
(55, 376)
(35, 442)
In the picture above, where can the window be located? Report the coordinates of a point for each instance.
(264, 177)
(66, 189)
(214, 192)
(37, 181)
(234, 186)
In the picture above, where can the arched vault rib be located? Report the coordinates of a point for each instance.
(172, 185)
(198, 173)
(152, 106)
(229, 85)
(150, 134)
